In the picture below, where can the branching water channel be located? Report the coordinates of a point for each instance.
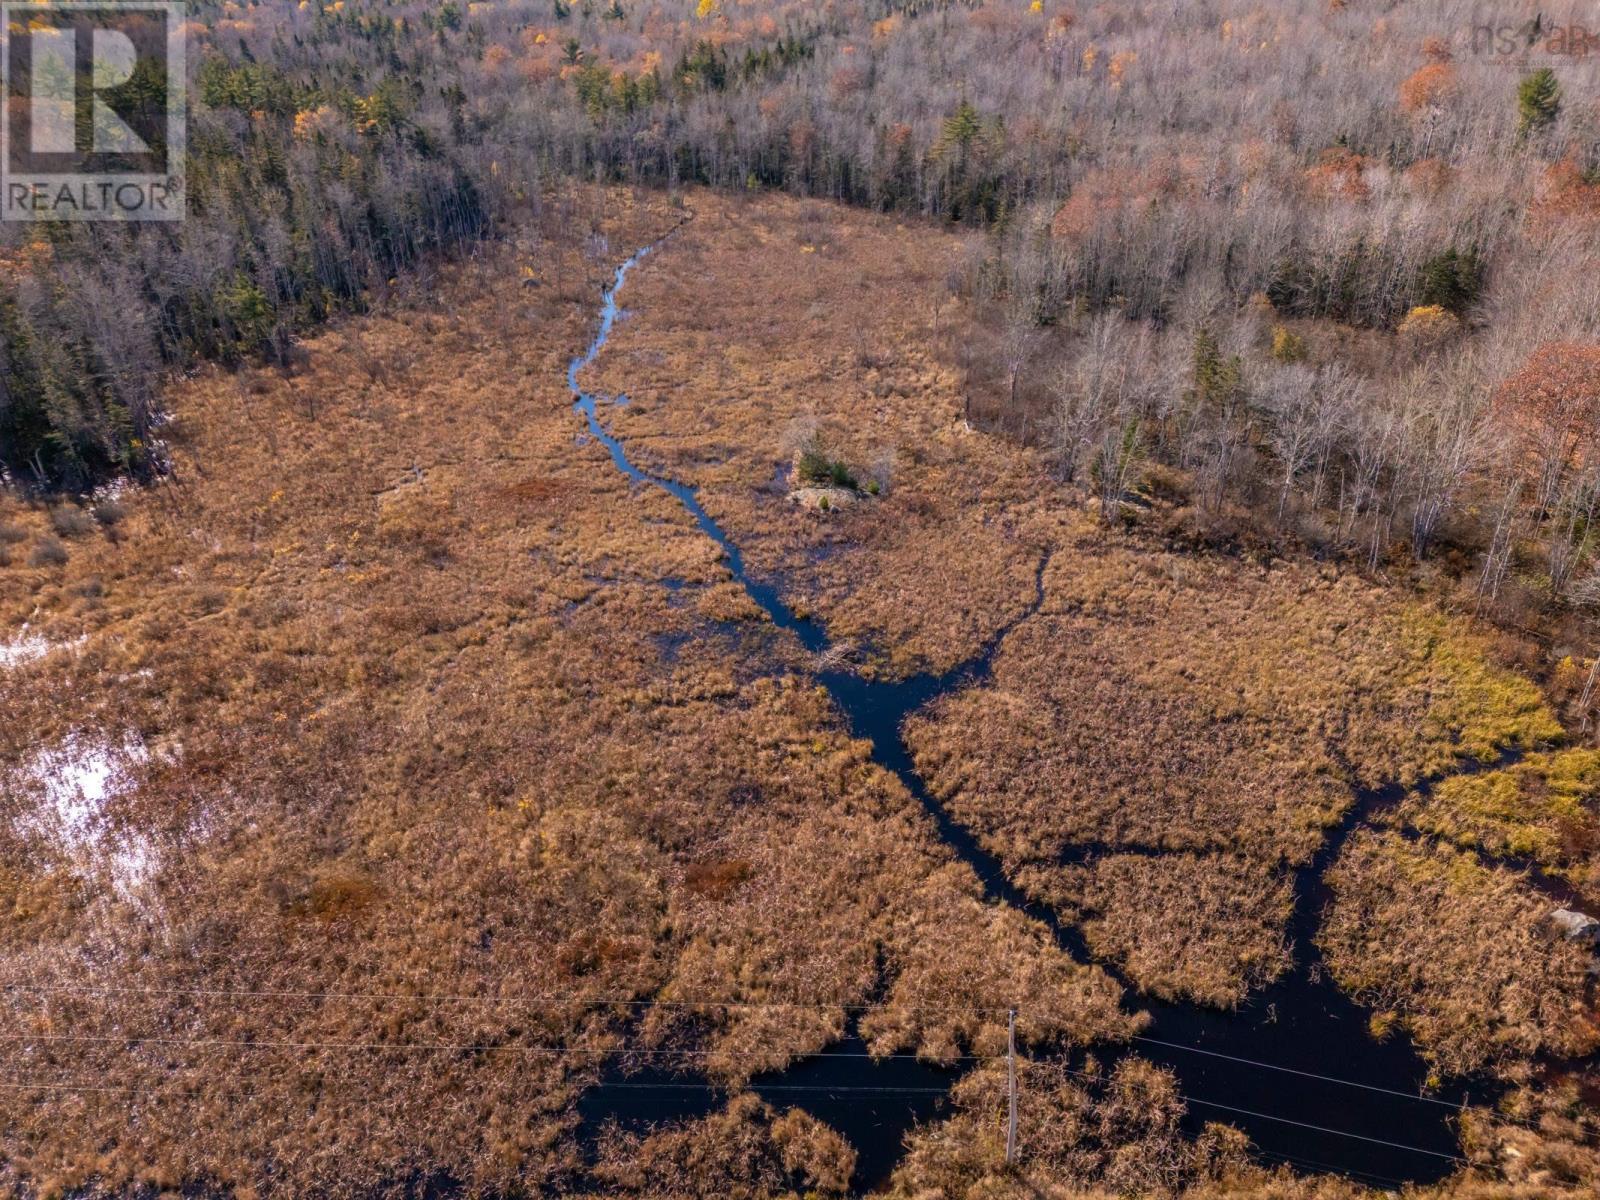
(1295, 1066)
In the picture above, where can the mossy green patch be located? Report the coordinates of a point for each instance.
(1473, 706)
(1540, 808)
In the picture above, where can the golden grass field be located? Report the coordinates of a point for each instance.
(425, 740)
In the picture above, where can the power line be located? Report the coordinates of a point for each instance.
(853, 1089)
(1315, 1164)
(1247, 1112)
(1504, 1118)
(1255, 1062)
(1456, 1158)
(549, 1000)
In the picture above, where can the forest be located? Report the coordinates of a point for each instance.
(1352, 317)
(1069, 510)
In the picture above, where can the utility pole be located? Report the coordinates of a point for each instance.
(1011, 1088)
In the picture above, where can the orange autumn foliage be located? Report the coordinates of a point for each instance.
(1428, 176)
(1552, 404)
(1338, 175)
(1119, 193)
(1565, 193)
(1428, 87)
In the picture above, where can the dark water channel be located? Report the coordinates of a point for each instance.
(1295, 1067)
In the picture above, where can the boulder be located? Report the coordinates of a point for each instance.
(1576, 925)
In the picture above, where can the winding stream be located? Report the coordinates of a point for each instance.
(1294, 1066)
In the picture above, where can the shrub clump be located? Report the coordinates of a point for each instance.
(1428, 324)
(817, 469)
(1287, 346)
(109, 513)
(69, 521)
(48, 552)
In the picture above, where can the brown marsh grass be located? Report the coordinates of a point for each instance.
(433, 746)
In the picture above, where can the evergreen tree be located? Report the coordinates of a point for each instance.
(1451, 280)
(1218, 380)
(1538, 100)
